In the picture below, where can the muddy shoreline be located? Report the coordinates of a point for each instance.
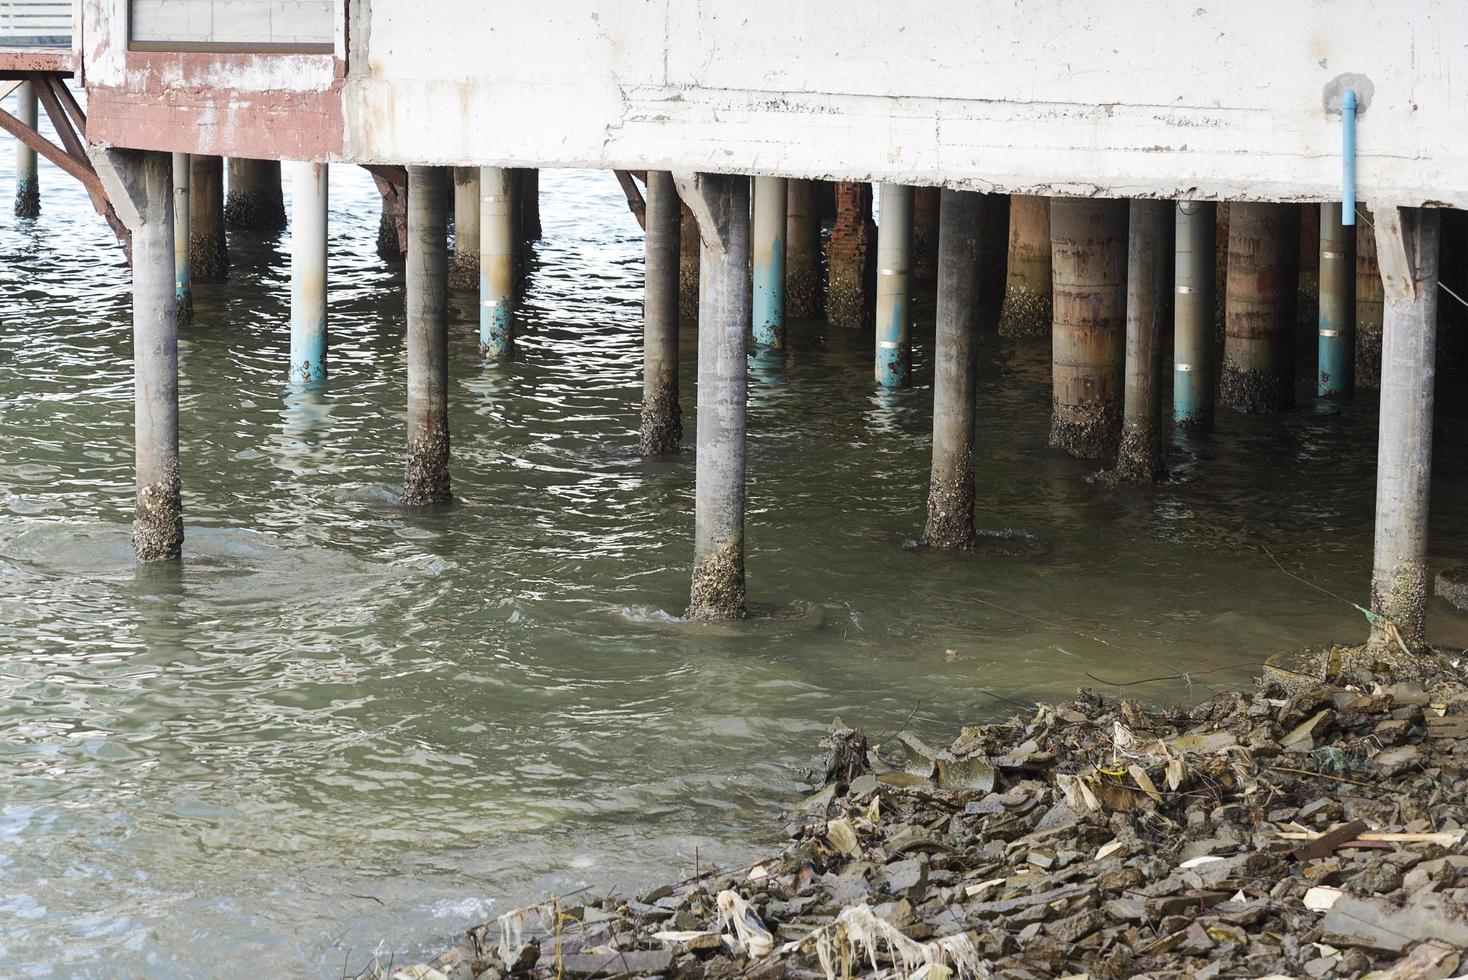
(1304, 829)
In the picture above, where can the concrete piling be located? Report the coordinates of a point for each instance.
(689, 248)
(1400, 587)
(1027, 309)
(388, 245)
(724, 315)
(27, 185)
(803, 286)
(464, 270)
(208, 253)
(1194, 315)
(925, 219)
(528, 199)
(498, 244)
(1259, 331)
(308, 271)
(769, 261)
(1369, 304)
(255, 201)
(951, 483)
(183, 285)
(894, 287)
(1337, 317)
(426, 476)
(1140, 458)
(158, 514)
(662, 415)
(1088, 256)
(851, 258)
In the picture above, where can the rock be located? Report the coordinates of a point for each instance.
(1379, 924)
(618, 963)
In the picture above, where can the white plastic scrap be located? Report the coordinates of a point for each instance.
(749, 931)
(1199, 861)
(512, 929)
(1321, 898)
(858, 931)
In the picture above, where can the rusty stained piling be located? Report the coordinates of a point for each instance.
(183, 284)
(1259, 331)
(498, 241)
(464, 270)
(308, 271)
(951, 482)
(158, 514)
(894, 288)
(1193, 315)
(803, 285)
(1140, 458)
(1369, 303)
(718, 587)
(1027, 310)
(662, 415)
(851, 254)
(770, 200)
(27, 185)
(426, 476)
(1400, 588)
(1337, 318)
(925, 219)
(208, 253)
(1088, 255)
(255, 201)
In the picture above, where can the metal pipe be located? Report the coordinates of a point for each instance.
(308, 271)
(769, 261)
(158, 514)
(1348, 157)
(662, 415)
(27, 184)
(183, 287)
(1400, 588)
(1139, 459)
(1337, 320)
(724, 312)
(894, 294)
(1194, 315)
(1088, 259)
(951, 481)
(498, 241)
(1027, 310)
(426, 476)
(1258, 338)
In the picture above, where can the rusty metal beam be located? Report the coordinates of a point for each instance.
(396, 176)
(635, 203)
(78, 117)
(392, 184)
(77, 151)
(49, 150)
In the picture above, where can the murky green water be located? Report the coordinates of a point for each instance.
(338, 724)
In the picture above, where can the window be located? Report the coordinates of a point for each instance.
(232, 25)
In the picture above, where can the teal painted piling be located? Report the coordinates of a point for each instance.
(1337, 377)
(894, 294)
(770, 198)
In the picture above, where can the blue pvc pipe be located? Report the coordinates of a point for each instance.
(1348, 157)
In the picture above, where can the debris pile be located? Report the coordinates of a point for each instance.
(1314, 832)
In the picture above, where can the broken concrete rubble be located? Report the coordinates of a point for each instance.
(1266, 834)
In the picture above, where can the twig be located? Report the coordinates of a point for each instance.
(1321, 775)
(878, 743)
(1174, 677)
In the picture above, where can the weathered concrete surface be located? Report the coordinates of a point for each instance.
(208, 254)
(1027, 99)
(426, 474)
(1259, 331)
(255, 200)
(1140, 458)
(662, 414)
(804, 288)
(1407, 242)
(464, 269)
(1089, 258)
(1027, 305)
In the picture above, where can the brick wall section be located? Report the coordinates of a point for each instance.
(851, 258)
